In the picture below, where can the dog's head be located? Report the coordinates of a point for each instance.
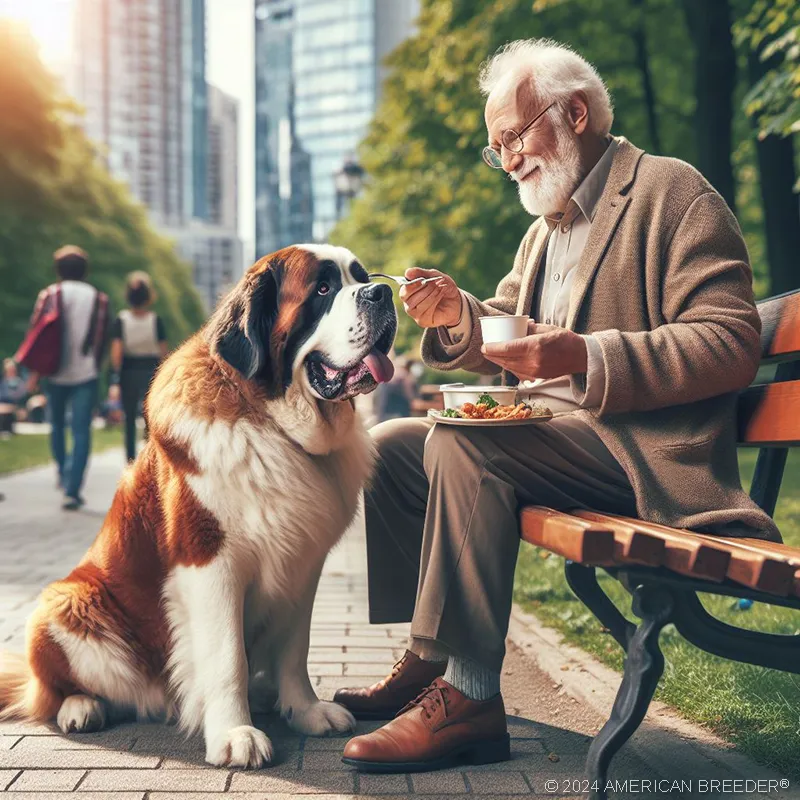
(310, 313)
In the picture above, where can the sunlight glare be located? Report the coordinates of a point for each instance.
(50, 24)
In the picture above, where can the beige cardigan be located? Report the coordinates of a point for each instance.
(665, 286)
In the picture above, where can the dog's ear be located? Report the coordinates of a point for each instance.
(241, 330)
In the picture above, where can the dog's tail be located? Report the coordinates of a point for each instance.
(22, 695)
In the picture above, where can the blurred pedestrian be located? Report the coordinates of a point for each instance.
(82, 312)
(393, 399)
(138, 343)
(12, 395)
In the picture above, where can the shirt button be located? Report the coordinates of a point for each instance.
(547, 321)
(557, 276)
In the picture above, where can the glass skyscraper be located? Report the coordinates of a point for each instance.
(283, 181)
(324, 57)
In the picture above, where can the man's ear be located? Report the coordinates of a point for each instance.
(241, 330)
(578, 111)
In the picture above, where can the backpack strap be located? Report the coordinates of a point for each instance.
(96, 335)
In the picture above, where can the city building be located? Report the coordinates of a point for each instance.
(284, 203)
(223, 159)
(319, 73)
(139, 72)
(216, 256)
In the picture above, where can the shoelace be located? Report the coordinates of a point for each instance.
(398, 666)
(430, 698)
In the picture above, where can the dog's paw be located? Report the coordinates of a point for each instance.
(244, 746)
(321, 719)
(80, 713)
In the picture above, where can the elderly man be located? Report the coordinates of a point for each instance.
(638, 279)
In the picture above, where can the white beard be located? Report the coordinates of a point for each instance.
(558, 176)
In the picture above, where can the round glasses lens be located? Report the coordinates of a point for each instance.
(512, 142)
(492, 158)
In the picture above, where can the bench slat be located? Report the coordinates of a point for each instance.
(789, 554)
(780, 326)
(567, 536)
(770, 414)
(687, 555)
(750, 564)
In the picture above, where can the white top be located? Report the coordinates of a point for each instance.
(140, 334)
(78, 298)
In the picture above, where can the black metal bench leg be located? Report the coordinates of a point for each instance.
(583, 581)
(644, 665)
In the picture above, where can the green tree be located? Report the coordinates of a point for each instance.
(770, 36)
(55, 190)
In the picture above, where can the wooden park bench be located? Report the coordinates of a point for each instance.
(664, 568)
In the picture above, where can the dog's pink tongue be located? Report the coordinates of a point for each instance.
(379, 365)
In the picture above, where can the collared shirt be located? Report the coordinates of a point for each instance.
(566, 242)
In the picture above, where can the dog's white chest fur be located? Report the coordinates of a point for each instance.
(275, 502)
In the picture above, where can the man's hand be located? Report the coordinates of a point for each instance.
(432, 304)
(546, 352)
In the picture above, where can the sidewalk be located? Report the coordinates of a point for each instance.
(550, 725)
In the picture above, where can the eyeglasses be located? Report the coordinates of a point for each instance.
(512, 141)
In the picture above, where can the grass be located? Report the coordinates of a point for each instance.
(757, 709)
(33, 450)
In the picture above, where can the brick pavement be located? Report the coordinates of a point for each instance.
(39, 543)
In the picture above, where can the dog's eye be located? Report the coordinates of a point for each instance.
(323, 288)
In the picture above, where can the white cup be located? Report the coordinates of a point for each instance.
(503, 328)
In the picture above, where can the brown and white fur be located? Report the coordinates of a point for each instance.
(200, 584)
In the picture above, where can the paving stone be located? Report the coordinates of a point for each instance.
(238, 796)
(497, 783)
(7, 742)
(382, 784)
(47, 780)
(148, 779)
(73, 795)
(6, 776)
(105, 740)
(75, 759)
(326, 669)
(386, 656)
(324, 759)
(443, 782)
(305, 781)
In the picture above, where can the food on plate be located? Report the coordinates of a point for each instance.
(489, 409)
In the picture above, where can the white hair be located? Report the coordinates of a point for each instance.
(555, 71)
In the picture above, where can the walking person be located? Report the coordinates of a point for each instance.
(83, 322)
(138, 343)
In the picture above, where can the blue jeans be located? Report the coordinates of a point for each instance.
(81, 398)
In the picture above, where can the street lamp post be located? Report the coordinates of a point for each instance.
(348, 181)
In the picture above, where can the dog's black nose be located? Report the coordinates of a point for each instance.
(376, 293)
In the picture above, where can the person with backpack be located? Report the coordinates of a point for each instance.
(138, 343)
(65, 343)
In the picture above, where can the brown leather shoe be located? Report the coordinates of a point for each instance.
(410, 675)
(441, 728)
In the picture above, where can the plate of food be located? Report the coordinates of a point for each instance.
(487, 412)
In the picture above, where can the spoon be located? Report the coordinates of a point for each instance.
(401, 280)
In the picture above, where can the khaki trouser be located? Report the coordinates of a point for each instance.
(442, 520)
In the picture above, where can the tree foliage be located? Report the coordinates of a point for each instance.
(431, 202)
(55, 190)
(772, 30)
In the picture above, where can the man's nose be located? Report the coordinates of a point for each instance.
(509, 160)
(375, 293)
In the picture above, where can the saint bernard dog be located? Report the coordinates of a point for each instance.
(194, 602)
